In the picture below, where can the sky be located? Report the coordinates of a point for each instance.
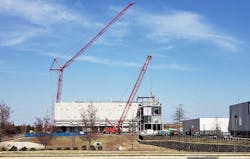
(200, 54)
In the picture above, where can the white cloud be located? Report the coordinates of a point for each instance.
(38, 12)
(37, 17)
(173, 25)
(96, 60)
(109, 62)
(184, 25)
(11, 38)
(159, 27)
(175, 67)
(113, 63)
(46, 15)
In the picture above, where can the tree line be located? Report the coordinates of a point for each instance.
(7, 128)
(44, 127)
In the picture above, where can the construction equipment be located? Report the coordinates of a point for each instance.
(117, 129)
(61, 68)
(110, 130)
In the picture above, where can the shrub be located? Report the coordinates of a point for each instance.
(3, 149)
(58, 148)
(50, 149)
(84, 147)
(67, 148)
(32, 149)
(13, 148)
(100, 147)
(23, 149)
(75, 148)
(91, 147)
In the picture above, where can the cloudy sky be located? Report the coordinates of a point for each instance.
(200, 53)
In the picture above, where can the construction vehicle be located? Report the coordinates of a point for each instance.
(61, 68)
(117, 128)
(110, 130)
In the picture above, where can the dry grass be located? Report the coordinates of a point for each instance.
(109, 142)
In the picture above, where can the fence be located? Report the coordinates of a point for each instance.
(55, 134)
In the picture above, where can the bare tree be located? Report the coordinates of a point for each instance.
(44, 130)
(179, 115)
(88, 120)
(5, 112)
(132, 131)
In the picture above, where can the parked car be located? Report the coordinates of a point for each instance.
(197, 133)
(227, 136)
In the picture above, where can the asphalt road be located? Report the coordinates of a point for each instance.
(137, 155)
(133, 157)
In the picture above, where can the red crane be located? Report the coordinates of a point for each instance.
(61, 68)
(130, 99)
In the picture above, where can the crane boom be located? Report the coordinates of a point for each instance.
(82, 50)
(134, 91)
(100, 33)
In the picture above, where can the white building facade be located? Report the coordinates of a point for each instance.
(68, 115)
(143, 114)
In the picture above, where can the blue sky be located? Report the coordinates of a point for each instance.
(200, 53)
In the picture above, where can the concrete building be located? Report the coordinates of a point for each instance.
(206, 125)
(68, 115)
(149, 114)
(239, 119)
(146, 112)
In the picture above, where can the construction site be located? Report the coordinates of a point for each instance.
(133, 115)
(112, 124)
(135, 123)
(143, 114)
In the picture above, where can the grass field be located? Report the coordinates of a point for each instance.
(109, 142)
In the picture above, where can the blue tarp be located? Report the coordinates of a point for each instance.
(55, 134)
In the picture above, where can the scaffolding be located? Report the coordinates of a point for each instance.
(149, 114)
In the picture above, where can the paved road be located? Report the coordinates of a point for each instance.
(131, 157)
(124, 156)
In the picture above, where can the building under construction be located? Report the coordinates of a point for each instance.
(144, 113)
